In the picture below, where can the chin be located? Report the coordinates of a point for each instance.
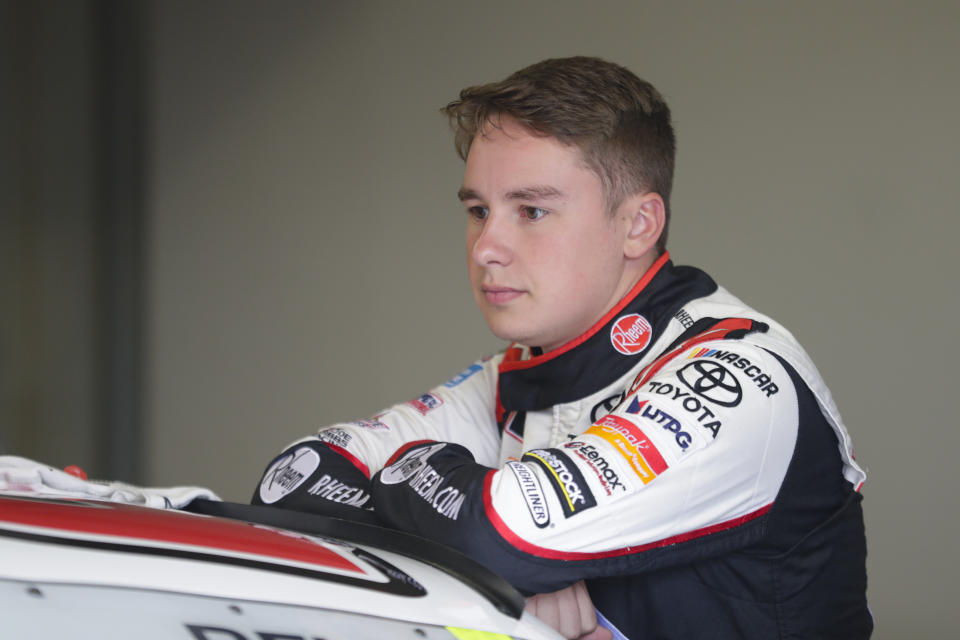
(505, 332)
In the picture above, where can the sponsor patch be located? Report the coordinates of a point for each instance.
(409, 464)
(287, 473)
(337, 437)
(568, 483)
(668, 423)
(608, 476)
(684, 318)
(425, 481)
(443, 498)
(532, 493)
(633, 444)
(605, 406)
(763, 381)
(712, 381)
(425, 403)
(705, 417)
(371, 423)
(463, 375)
(630, 334)
(329, 488)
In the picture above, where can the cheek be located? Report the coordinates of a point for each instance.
(572, 261)
(589, 265)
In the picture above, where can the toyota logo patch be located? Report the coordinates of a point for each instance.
(713, 381)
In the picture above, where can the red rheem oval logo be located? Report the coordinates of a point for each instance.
(630, 334)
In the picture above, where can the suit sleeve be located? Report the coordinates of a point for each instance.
(459, 410)
(685, 468)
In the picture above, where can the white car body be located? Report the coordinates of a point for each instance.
(87, 569)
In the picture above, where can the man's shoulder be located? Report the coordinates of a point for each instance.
(777, 340)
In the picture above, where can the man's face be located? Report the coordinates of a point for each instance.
(545, 258)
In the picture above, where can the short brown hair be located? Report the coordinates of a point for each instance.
(620, 123)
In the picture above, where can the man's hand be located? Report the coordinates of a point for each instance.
(570, 611)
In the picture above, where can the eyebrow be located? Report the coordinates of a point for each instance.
(534, 192)
(467, 194)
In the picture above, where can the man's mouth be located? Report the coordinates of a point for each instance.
(499, 295)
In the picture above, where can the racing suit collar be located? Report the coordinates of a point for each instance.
(606, 351)
(538, 357)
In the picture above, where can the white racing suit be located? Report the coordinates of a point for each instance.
(683, 456)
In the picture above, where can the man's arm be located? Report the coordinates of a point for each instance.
(330, 471)
(685, 468)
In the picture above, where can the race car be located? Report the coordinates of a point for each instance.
(83, 568)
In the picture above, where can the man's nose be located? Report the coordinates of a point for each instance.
(494, 243)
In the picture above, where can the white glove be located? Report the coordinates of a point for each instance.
(25, 477)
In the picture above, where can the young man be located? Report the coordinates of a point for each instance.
(645, 431)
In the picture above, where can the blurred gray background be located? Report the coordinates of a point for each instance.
(225, 224)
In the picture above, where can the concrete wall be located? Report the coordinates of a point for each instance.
(47, 193)
(306, 252)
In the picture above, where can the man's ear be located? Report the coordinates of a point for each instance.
(644, 215)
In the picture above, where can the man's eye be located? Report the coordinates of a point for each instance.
(478, 213)
(533, 213)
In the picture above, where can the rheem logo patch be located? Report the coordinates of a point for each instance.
(630, 334)
(288, 472)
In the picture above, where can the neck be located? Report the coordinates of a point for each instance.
(633, 270)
